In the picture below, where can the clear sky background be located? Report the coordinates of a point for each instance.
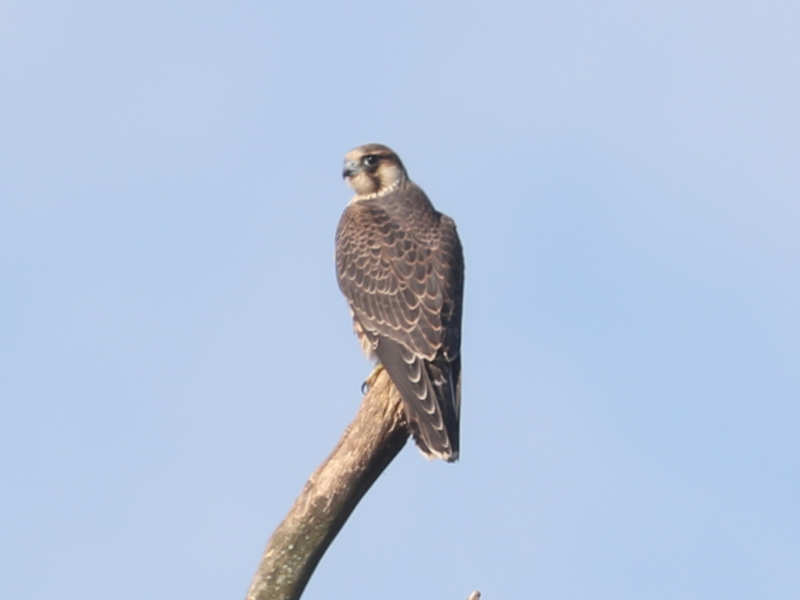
(176, 358)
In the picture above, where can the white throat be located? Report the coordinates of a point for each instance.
(380, 193)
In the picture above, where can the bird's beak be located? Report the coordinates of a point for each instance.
(351, 167)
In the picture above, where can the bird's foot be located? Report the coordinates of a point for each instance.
(371, 378)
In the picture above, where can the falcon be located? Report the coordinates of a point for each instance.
(399, 264)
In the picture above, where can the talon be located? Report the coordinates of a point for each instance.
(371, 378)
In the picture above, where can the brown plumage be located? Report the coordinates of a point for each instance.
(399, 264)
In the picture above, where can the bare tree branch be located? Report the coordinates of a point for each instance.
(367, 446)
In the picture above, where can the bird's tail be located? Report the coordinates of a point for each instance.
(431, 393)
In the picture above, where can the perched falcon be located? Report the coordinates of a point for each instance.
(400, 266)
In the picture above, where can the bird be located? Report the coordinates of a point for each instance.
(400, 265)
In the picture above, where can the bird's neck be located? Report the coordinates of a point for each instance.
(384, 191)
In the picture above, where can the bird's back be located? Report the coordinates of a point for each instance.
(400, 265)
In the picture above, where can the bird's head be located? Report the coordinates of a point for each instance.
(373, 170)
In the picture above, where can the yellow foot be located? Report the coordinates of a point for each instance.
(371, 378)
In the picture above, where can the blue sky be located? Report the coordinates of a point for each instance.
(175, 356)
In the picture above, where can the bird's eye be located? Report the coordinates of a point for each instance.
(370, 160)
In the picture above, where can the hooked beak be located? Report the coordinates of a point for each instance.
(351, 167)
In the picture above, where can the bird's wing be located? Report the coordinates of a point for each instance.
(403, 277)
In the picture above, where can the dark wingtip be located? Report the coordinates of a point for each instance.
(445, 453)
(434, 421)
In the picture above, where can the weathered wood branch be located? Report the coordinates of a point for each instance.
(367, 446)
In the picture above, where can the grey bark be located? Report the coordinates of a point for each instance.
(367, 446)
